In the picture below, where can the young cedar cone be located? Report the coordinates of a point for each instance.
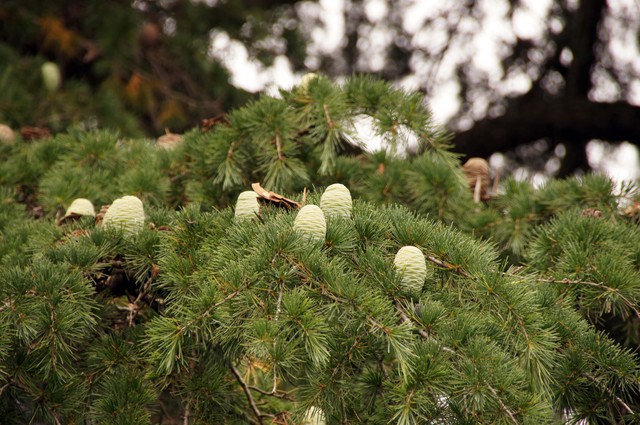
(304, 82)
(6, 134)
(51, 76)
(81, 206)
(247, 205)
(126, 213)
(477, 171)
(310, 221)
(336, 200)
(410, 263)
(314, 416)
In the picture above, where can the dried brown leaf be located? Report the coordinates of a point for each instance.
(274, 198)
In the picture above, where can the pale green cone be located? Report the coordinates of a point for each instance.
(306, 79)
(314, 416)
(336, 200)
(51, 76)
(126, 213)
(310, 221)
(410, 263)
(81, 206)
(247, 206)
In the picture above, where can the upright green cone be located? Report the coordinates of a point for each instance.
(310, 221)
(410, 263)
(336, 201)
(81, 206)
(247, 205)
(126, 213)
(51, 76)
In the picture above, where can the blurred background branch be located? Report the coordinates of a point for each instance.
(524, 82)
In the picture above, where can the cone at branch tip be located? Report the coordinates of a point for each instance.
(411, 265)
(126, 213)
(247, 205)
(310, 222)
(336, 200)
(51, 76)
(81, 206)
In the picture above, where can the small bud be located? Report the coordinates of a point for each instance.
(306, 79)
(51, 76)
(7, 134)
(310, 221)
(247, 206)
(336, 200)
(314, 416)
(81, 206)
(126, 213)
(410, 263)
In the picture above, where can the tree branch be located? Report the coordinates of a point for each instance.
(572, 119)
(247, 393)
(582, 39)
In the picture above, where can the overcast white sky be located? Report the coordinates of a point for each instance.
(528, 21)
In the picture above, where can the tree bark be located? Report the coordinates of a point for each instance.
(582, 41)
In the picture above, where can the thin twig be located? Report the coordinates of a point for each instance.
(5, 386)
(496, 183)
(448, 266)
(216, 305)
(599, 285)
(345, 421)
(278, 309)
(133, 310)
(502, 405)
(608, 390)
(277, 394)
(185, 420)
(247, 393)
(279, 304)
(421, 332)
(346, 356)
(327, 117)
(466, 274)
(279, 147)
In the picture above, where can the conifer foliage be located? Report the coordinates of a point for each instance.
(393, 297)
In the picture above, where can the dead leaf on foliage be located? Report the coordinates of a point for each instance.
(274, 198)
(69, 218)
(208, 123)
(100, 215)
(34, 133)
(591, 212)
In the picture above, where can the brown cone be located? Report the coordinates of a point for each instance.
(476, 168)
